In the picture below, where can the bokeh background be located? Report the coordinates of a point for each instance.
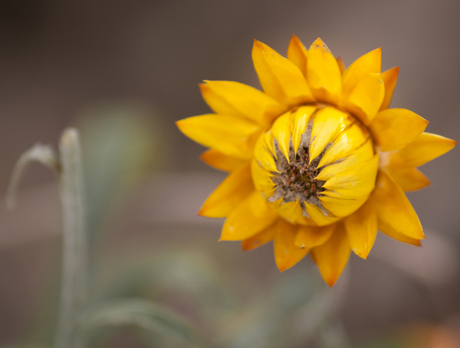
(122, 72)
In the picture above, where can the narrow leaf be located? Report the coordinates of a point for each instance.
(135, 312)
(43, 154)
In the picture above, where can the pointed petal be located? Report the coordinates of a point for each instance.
(392, 233)
(281, 131)
(221, 161)
(341, 207)
(327, 125)
(410, 179)
(291, 211)
(217, 102)
(345, 144)
(390, 77)
(361, 227)
(300, 119)
(393, 129)
(323, 73)
(262, 179)
(423, 149)
(229, 135)
(394, 209)
(229, 194)
(286, 253)
(264, 151)
(237, 99)
(365, 99)
(341, 65)
(361, 154)
(268, 81)
(250, 217)
(332, 256)
(348, 184)
(319, 217)
(279, 77)
(311, 236)
(364, 65)
(260, 238)
(297, 53)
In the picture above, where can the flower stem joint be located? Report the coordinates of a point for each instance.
(317, 162)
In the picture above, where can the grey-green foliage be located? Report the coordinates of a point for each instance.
(120, 147)
(43, 154)
(120, 142)
(134, 312)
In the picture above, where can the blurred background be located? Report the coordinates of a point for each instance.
(123, 72)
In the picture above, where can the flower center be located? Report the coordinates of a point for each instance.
(295, 179)
(315, 165)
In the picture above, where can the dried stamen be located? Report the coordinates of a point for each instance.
(295, 180)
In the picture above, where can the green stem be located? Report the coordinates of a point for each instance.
(74, 253)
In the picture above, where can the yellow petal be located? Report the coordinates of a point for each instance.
(291, 211)
(300, 119)
(323, 73)
(261, 178)
(345, 144)
(361, 227)
(221, 161)
(389, 79)
(423, 149)
(311, 236)
(250, 217)
(391, 232)
(356, 181)
(286, 253)
(364, 65)
(281, 131)
(410, 179)
(279, 77)
(332, 256)
(260, 238)
(229, 194)
(237, 99)
(365, 99)
(341, 65)
(217, 102)
(394, 209)
(264, 151)
(361, 154)
(393, 129)
(229, 135)
(328, 123)
(341, 206)
(317, 216)
(297, 53)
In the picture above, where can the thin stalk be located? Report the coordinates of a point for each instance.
(74, 252)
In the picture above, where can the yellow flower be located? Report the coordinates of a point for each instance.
(317, 161)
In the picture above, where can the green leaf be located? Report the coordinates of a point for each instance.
(135, 312)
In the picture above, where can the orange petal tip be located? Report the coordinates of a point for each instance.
(318, 42)
(360, 254)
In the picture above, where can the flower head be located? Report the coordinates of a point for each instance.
(318, 162)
